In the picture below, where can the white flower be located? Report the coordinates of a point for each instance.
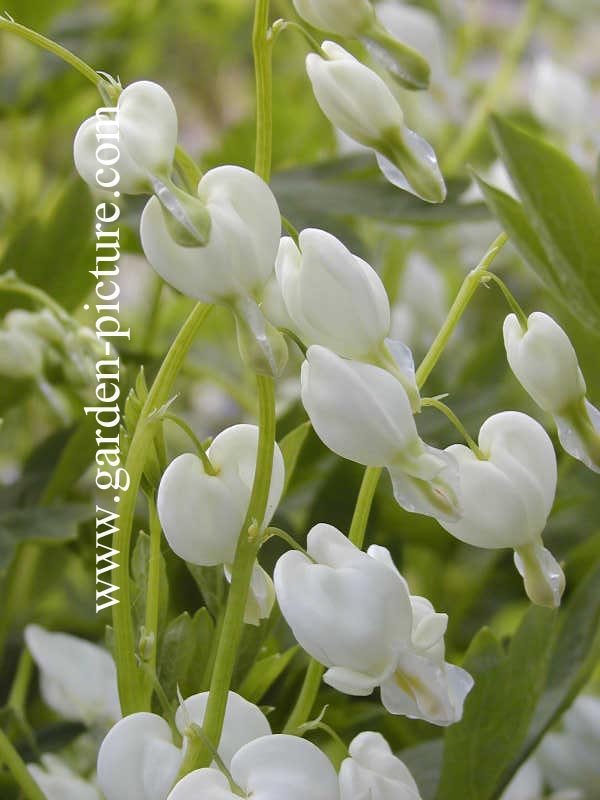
(201, 514)
(78, 679)
(58, 782)
(353, 613)
(347, 18)
(569, 759)
(545, 363)
(334, 298)
(261, 595)
(560, 98)
(506, 498)
(138, 760)
(138, 142)
(269, 768)
(243, 722)
(359, 102)
(374, 772)
(239, 256)
(363, 413)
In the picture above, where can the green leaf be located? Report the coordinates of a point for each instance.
(482, 749)
(290, 447)
(573, 657)
(264, 673)
(184, 653)
(140, 564)
(55, 254)
(559, 203)
(322, 194)
(53, 525)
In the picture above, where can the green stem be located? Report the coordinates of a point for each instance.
(57, 49)
(508, 295)
(364, 502)
(306, 699)
(312, 680)
(130, 688)
(197, 754)
(208, 467)
(262, 48)
(433, 402)
(16, 765)
(466, 292)
(152, 596)
(470, 133)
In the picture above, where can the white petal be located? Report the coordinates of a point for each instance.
(130, 748)
(281, 766)
(243, 722)
(78, 678)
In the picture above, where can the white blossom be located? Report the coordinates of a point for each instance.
(78, 679)
(269, 768)
(352, 612)
(545, 363)
(239, 254)
(202, 514)
(334, 298)
(141, 136)
(507, 496)
(373, 772)
(359, 102)
(363, 413)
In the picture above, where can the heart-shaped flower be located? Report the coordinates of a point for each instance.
(202, 514)
(507, 497)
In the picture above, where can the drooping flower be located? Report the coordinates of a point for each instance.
(78, 679)
(334, 298)
(372, 771)
(202, 514)
(352, 612)
(507, 497)
(358, 101)
(138, 760)
(129, 149)
(545, 363)
(363, 413)
(270, 768)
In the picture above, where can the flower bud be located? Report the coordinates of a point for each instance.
(143, 131)
(21, 355)
(269, 768)
(359, 102)
(545, 363)
(239, 256)
(374, 772)
(353, 613)
(78, 679)
(346, 18)
(334, 298)
(506, 498)
(363, 413)
(202, 514)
